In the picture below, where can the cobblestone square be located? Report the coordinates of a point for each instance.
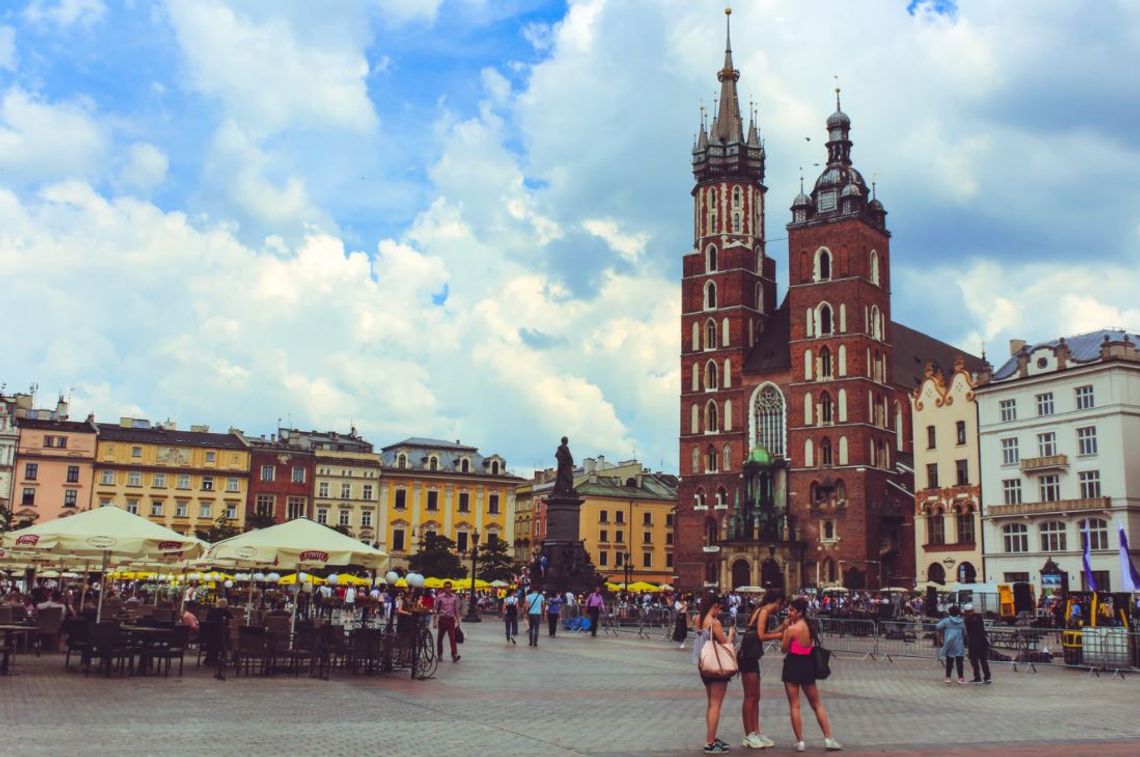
(572, 695)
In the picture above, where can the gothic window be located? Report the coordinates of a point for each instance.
(825, 452)
(737, 198)
(825, 408)
(825, 363)
(736, 223)
(711, 382)
(728, 415)
(898, 426)
(841, 401)
(823, 264)
(807, 365)
(825, 324)
(809, 322)
(874, 268)
(696, 384)
(809, 454)
(696, 336)
(710, 532)
(696, 460)
(710, 259)
(695, 420)
(843, 450)
(699, 496)
(768, 414)
(727, 374)
(710, 334)
(760, 296)
(842, 318)
(876, 324)
(710, 459)
(840, 490)
(726, 462)
(809, 411)
(759, 260)
(710, 198)
(710, 295)
(724, 336)
(712, 420)
(842, 360)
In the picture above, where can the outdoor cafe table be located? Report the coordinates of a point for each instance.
(9, 629)
(148, 635)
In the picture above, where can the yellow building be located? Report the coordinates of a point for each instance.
(444, 488)
(523, 522)
(184, 480)
(347, 493)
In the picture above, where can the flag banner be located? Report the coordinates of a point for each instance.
(1090, 582)
(1129, 576)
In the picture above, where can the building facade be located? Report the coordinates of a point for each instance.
(439, 487)
(184, 480)
(53, 468)
(794, 445)
(9, 439)
(281, 479)
(948, 492)
(1059, 426)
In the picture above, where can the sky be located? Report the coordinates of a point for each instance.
(465, 219)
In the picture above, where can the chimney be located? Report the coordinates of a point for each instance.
(125, 422)
(1016, 345)
(203, 429)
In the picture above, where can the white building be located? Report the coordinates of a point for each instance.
(9, 436)
(1059, 427)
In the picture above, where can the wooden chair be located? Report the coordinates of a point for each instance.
(172, 647)
(48, 624)
(77, 632)
(251, 650)
(108, 645)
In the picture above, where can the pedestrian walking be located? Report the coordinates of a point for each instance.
(534, 606)
(799, 674)
(953, 631)
(680, 621)
(977, 645)
(446, 609)
(708, 628)
(511, 617)
(553, 612)
(751, 650)
(594, 605)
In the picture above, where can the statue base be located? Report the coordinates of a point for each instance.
(567, 567)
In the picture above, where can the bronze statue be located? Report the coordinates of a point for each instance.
(565, 480)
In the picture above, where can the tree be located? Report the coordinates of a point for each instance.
(494, 563)
(437, 558)
(259, 520)
(9, 521)
(223, 528)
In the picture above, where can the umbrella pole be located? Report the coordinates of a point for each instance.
(102, 587)
(78, 609)
(249, 602)
(182, 590)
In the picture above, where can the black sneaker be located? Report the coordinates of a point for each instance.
(456, 658)
(988, 681)
(975, 680)
(717, 747)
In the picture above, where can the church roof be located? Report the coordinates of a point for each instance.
(771, 352)
(913, 350)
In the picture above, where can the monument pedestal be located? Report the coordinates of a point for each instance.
(563, 564)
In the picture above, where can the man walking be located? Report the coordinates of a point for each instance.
(534, 608)
(594, 605)
(977, 645)
(447, 617)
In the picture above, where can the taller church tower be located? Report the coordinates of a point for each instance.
(728, 289)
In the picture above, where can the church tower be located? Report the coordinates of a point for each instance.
(728, 291)
(846, 418)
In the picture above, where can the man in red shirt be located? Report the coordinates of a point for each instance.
(447, 616)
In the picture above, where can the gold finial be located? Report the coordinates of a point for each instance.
(728, 10)
(836, 77)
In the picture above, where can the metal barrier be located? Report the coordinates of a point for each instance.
(1102, 649)
(847, 635)
(897, 638)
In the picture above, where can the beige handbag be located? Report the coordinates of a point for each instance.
(717, 660)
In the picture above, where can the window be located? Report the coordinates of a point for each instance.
(183, 481)
(604, 516)
(1102, 579)
(825, 452)
(323, 489)
(31, 471)
(1015, 537)
(464, 466)
(647, 559)
(1008, 410)
(1047, 444)
(823, 256)
(828, 530)
(1045, 403)
(647, 519)
(182, 509)
(493, 504)
(1053, 536)
(931, 475)
(825, 366)
(619, 536)
(136, 451)
(433, 463)
(211, 457)
(669, 520)
(298, 475)
(604, 536)
(768, 420)
(104, 502)
(1086, 440)
(1097, 533)
(433, 500)
(1050, 487)
(401, 499)
(1011, 489)
(960, 427)
(158, 480)
(28, 498)
(710, 259)
(669, 538)
(295, 507)
(231, 512)
(710, 295)
(267, 472)
(1085, 397)
(49, 441)
(1015, 577)
(366, 492)
(464, 502)
(603, 559)
(461, 542)
(931, 441)
(207, 483)
(619, 559)
(232, 485)
(619, 516)
(669, 560)
(345, 518)
(107, 478)
(398, 539)
(965, 522)
(366, 519)
(346, 490)
(73, 474)
(935, 529)
(962, 471)
(70, 498)
(156, 509)
(204, 510)
(133, 506)
(647, 537)
(825, 325)
(1009, 451)
(134, 478)
(264, 504)
(1090, 484)
(323, 516)
(401, 460)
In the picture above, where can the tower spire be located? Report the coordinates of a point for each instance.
(728, 126)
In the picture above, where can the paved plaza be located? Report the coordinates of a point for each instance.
(573, 695)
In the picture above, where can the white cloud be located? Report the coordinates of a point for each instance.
(406, 11)
(65, 12)
(41, 141)
(7, 48)
(144, 166)
(629, 246)
(266, 75)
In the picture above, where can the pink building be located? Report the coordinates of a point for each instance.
(54, 468)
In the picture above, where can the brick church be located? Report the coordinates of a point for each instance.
(795, 414)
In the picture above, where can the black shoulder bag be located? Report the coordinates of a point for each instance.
(820, 656)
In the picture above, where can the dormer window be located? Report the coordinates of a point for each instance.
(401, 460)
(827, 201)
(494, 467)
(433, 463)
(464, 466)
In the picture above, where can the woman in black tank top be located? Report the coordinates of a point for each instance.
(751, 650)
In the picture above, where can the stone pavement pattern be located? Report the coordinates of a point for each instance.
(572, 696)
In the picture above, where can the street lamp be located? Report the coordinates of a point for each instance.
(472, 615)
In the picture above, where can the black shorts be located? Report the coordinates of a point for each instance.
(749, 654)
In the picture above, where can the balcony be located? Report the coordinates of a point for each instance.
(1042, 464)
(1056, 506)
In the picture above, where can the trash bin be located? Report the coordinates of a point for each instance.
(1071, 646)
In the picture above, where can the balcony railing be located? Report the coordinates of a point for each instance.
(1056, 506)
(1049, 462)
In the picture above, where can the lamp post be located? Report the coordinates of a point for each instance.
(628, 542)
(472, 615)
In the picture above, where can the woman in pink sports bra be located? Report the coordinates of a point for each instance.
(799, 673)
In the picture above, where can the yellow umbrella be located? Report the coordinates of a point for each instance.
(614, 587)
(481, 584)
(291, 579)
(344, 579)
(642, 586)
(434, 583)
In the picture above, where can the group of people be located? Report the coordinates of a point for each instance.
(537, 605)
(961, 634)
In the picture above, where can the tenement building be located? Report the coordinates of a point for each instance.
(1059, 426)
(795, 412)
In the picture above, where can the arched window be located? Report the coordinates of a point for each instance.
(809, 454)
(737, 198)
(825, 363)
(842, 404)
(876, 324)
(696, 380)
(433, 463)
(1053, 536)
(1015, 537)
(696, 336)
(825, 452)
(898, 426)
(695, 420)
(843, 450)
(725, 337)
(726, 454)
(843, 318)
(721, 497)
(711, 339)
(699, 497)
(874, 268)
(711, 532)
(710, 258)
(465, 465)
(809, 409)
(807, 365)
(712, 419)
(727, 374)
(768, 419)
(824, 317)
(710, 295)
(711, 376)
(710, 459)
(759, 259)
(736, 222)
(494, 467)
(401, 460)
(935, 528)
(840, 488)
(823, 264)
(825, 416)
(760, 296)
(841, 359)
(809, 322)
(728, 415)
(696, 461)
(711, 217)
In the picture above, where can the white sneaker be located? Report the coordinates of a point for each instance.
(832, 745)
(757, 740)
(799, 746)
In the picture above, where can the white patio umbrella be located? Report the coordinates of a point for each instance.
(108, 534)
